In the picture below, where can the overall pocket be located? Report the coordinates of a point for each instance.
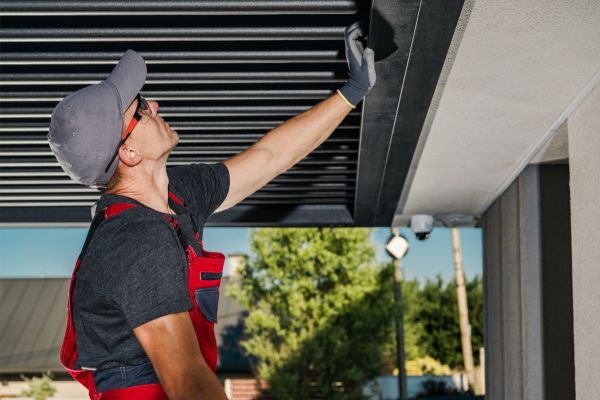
(208, 302)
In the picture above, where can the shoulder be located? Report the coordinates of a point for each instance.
(130, 238)
(136, 251)
(203, 187)
(207, 174)
(136, 222)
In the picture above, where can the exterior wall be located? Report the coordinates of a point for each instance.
(528, 318)
(584, 160)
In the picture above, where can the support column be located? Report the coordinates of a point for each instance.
(527, 289)
(584, 160)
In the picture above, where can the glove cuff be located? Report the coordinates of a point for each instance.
(345, 99)
(352, 93)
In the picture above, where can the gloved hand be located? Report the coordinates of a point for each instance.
(361, 66)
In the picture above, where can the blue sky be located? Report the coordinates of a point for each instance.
(51, 252)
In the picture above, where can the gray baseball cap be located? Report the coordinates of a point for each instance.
(86, 126)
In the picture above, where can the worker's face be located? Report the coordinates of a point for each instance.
(152, 136)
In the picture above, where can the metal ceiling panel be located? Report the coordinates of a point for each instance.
(394, 113)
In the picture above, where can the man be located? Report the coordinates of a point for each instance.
(133, 329)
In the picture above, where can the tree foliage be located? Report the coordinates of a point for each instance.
(433, 313)
(321, 313)
(39, 388)
(320, 310)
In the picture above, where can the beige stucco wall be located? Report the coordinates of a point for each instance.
(584, 164)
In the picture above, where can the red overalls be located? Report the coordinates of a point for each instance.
(204, 278)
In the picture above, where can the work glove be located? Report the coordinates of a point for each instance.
(361, 67)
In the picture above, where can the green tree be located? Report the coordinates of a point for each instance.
(435, 315)
(475, 299)
(320, 310)
(412, 331)
(39, 388)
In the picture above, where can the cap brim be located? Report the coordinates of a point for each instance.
(128, 77)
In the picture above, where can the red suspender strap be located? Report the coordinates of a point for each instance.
(176, 199)
(116, 208)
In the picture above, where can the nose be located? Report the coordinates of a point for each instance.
(153, 107)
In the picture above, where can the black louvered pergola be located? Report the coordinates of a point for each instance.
(225, 73)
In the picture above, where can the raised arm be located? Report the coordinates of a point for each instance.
(285, 145)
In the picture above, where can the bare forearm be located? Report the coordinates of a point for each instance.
(293, 140)
(195, 382)
(204, 389)
(170, 343)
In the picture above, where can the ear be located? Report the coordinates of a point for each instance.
(130, 156)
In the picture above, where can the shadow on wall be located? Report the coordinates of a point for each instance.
(381, 39)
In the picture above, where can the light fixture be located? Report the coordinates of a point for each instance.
(397, 246)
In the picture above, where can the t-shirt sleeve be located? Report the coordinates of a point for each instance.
(202, 186)
(149, 279)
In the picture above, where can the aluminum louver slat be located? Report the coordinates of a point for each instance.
(181, 111)
(177, 7)
(195, 95)
(195, 125)
(178, 78)
(191, 57)
(169, 34)
(184, 138)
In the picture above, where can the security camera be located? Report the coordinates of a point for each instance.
(421, 225)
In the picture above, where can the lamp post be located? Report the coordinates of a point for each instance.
(397, 247)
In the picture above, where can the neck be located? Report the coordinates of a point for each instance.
(149, 186)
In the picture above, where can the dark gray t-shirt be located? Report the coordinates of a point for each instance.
(135, 268)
